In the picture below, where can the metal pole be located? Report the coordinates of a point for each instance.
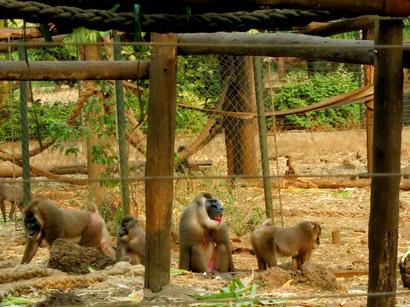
(260, 109)
(122, 142)
(23, 86)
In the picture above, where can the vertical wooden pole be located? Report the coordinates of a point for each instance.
(384, 200)
(25, 138)
(260, 107)
(160, 160)
(122, 140)
(369, 79)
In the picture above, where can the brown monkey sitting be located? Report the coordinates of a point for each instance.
(204, 243)
(297, 241)
(12, 194)
(130, 241)
(43, 220)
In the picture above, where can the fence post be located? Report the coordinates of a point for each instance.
(160, 160)
(387, 128)
(260, 109)
(122, 143)
(25, 139)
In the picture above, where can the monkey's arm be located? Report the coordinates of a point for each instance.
(30, 250)
(120, 251)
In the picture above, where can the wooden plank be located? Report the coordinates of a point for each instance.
(73, 70)
(342, 26)
(384, 199)
(10, 33)
(160, 160)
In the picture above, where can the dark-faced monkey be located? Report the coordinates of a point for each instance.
(130, 241)
(204, 243)
(44, 220)
(12, 194)
(297, 242)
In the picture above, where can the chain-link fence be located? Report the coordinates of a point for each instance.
(72, 124)
(74, 142)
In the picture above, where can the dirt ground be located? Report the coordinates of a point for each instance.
(346, 210)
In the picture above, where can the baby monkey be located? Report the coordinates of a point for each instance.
(130, 241)
(298, 242)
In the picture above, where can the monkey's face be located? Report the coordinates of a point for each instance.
(126, 225)
(32, 226)
(214, 210)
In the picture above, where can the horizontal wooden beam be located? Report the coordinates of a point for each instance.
(277, 45)
(14, 33)
(282, 45)
(74, 70)
(342, 26)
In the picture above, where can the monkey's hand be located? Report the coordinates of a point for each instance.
(107, 249)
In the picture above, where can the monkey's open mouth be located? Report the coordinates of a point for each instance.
(218, 218)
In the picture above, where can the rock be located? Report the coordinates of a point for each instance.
(72, 258)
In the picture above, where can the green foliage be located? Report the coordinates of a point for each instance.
(301, 92)
(50, 120)
(198, 84)
(241, 221)
(10, 300)
(235, 290)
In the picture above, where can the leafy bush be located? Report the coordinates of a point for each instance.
(48, 120)
(298, 94)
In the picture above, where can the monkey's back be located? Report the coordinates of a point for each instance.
(11, 193)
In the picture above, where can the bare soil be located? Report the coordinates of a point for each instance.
(346, 210)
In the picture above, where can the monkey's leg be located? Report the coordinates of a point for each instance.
(30, 250)
(221, 257)
(184, 257)
(12, 209)
(198, 263)
(261, 262)
(297, 262)
(3, 209)
(134, 259)
(271, 259)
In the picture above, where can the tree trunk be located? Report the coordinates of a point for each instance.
(241, 149)
(95, 190)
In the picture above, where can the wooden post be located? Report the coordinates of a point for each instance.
(260, 107)
(384, 199)
(336, 237)
(369, 79)
(25, 138)
(160, 160)
(122, 140)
